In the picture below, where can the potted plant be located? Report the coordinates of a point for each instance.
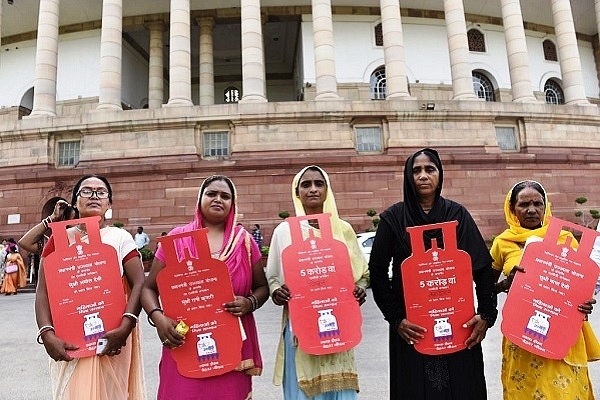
(264, 251)
(586, 220)
(147, 257)
(374, 220)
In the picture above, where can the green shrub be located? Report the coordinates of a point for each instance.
(264, 251)
(146, 253)
(585, 219)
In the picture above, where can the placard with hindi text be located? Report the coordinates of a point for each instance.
(438, 289)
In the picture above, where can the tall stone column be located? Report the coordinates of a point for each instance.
(207, 68)
(393, 50)
(180, 67)
(46, 59)
(326, 83)
(458, 45)
(253, 57)
(568, 53)
(155, 65)
(516, 48)
(111, 50)
(597, 8)
(1, 2)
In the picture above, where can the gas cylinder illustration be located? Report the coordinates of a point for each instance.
(442, 330)
(438, 287)
(319, 273)
(328, 325)
(93, 326)
(538, 325)
(207, 347)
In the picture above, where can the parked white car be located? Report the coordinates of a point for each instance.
(365, 241)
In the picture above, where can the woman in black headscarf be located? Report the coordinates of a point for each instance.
(414, 375)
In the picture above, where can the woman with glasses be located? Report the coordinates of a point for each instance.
(115, 374)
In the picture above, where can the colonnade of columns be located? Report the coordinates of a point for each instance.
(253, 63)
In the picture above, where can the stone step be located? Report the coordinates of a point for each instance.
(29, 288)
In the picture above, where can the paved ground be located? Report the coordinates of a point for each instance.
(24, 363)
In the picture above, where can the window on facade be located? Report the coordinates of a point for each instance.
(368, 139)
(68, 153)
(506, 137)
(549, 50)
(483, 87)
(554, 93)
(216, 144)
(231, 95)
(476, 40)
(378, 35)
(378, 84)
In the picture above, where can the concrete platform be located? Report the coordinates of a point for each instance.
(25, 363)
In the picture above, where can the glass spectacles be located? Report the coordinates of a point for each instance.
(86, 193)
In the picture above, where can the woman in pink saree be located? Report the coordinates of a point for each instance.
(216, 210)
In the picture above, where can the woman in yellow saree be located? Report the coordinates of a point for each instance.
(525, 375)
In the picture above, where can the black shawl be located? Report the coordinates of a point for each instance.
(392, 240)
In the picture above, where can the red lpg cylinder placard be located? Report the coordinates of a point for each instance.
(324, 313)
(193, 287)
(84, 284)
(540, 313)
(438, 290)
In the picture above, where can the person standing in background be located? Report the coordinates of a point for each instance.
(15, 275)
(141, 239)
(257, 235)
(11, 242)
(3, 253)
(596, 257)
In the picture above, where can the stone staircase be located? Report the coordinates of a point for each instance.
(29, 288)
